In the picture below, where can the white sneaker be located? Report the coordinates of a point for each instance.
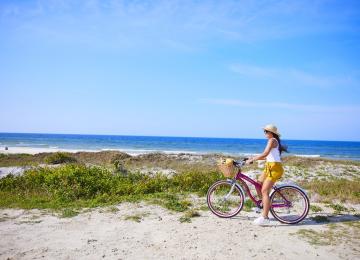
(256, 209)
(261, 221)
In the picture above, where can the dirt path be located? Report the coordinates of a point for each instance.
(105, 233)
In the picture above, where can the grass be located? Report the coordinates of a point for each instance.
(313, 162)
(335, 189)
(136, 217)
(338, 208)
(320, 238)
(299, 162)
(315, 208)
(204, 207)
(69, 213)
(105, 158)
(7, 160)
(172, 202)
(334, 234)
(76, 186)
(112, 209)
(248, 205)
(188, 216)
(59, 157)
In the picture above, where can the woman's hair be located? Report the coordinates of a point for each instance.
(282, 148)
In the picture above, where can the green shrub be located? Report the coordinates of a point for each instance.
(118, 161)
(83, 186)
(59, 157)
(194, 181)
(66, 183)
(149, 184)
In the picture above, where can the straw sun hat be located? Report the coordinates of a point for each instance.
(271, 128)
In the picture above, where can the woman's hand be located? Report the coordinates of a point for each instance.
(249, 161)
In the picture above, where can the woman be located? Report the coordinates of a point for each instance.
(273, 169)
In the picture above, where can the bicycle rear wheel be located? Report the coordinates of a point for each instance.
(289, 204)
(225, 199)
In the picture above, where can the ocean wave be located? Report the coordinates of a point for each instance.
(247, 154)
(307, 155)
(243, 152)
(22, 144)
(145, 151)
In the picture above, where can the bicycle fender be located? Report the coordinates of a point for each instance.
(288, 185)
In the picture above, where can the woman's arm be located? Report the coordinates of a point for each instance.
(265, 153)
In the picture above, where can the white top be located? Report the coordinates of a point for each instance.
(274, 155)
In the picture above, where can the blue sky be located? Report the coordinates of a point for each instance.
(181, 68)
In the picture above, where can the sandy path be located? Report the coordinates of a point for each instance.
(159, 235)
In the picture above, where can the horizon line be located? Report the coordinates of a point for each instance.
(209, 137)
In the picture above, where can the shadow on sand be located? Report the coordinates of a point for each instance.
(311, 220)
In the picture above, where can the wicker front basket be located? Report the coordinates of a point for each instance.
(229, 170)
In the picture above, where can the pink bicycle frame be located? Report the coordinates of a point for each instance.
(242, 178)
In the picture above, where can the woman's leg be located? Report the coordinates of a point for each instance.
(265, 190)
(261, 179)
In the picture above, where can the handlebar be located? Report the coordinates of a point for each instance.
(241, 163)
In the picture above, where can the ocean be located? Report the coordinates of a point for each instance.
(146, 144)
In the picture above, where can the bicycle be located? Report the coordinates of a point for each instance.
(289, 203)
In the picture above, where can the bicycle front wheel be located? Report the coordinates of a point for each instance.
(225, 199)
(289, 204)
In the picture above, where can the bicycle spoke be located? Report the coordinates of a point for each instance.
(225, 199)
(289, 205)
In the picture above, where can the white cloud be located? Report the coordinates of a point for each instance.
(292, 75)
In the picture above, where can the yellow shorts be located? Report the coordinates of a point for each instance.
(273, 171)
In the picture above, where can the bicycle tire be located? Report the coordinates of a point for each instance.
(237, 195)
(282, 194)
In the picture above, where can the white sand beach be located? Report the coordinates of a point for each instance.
(101, 234)
(36, 150)
(106, 234)
(147, 231)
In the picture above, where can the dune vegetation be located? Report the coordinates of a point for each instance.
(78, 185)
(81, 180)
